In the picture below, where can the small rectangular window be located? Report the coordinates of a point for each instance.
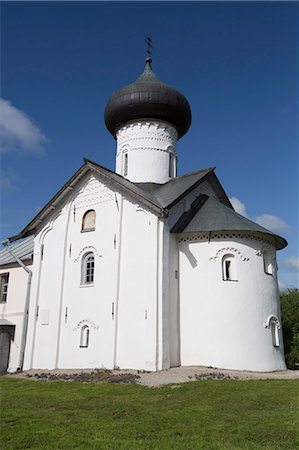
(4, 287)
(126, 163)
(170, 174)
(227, 270)
(84, 338)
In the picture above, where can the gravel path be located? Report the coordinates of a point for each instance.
(174, 375)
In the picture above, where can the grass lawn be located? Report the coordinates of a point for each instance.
(195, 415)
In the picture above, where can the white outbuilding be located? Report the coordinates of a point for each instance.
(144, 269)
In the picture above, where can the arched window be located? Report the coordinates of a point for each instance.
(84, 336)
(89, 220)
(229, 268)
(274, 326)
(87, 273)
(268, 263)
(126, 164)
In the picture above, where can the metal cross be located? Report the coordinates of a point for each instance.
(149, 48)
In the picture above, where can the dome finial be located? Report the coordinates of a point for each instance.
(148, 41)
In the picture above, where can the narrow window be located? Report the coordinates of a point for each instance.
(274, 326)
(170, 165)
(84, 336)
(87, 276)
(126, 163)
(275, 333)
(4, 287)
(89, 220)
(229, 268)
(268, 263)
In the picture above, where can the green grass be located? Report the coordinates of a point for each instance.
(196, 415)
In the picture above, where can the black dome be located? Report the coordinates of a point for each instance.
(148, 98)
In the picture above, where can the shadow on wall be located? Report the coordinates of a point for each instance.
(189, 255)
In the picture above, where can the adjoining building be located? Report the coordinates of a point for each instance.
(144, 269)
(14, 299)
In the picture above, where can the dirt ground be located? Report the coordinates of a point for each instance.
(152, 379)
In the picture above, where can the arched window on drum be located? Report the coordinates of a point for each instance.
(268, 263)
(229, 270)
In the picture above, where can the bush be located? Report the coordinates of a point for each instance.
(290, 325)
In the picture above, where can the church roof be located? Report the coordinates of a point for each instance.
(159, 198)
(206, 213)
(22, 249)
(168, 194)
(148, 97)
(210, 215)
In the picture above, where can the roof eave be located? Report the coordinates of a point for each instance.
(69, 185)
(51, 205)
(191, 188)
(279, 242)
(155, 207)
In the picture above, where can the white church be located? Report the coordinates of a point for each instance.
(141, 268)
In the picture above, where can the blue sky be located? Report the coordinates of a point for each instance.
(237, 63)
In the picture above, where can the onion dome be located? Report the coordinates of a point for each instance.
(148, 98)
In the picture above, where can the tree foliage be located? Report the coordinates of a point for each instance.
(290, 324)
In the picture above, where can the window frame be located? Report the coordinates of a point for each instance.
(229, 273)
(126, 164)
(84, 336)
(268, 261)
(86, 271)
(4, 282)
(85, 229)
(274, 326)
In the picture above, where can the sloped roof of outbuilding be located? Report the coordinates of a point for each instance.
(214, 216)
(22, 249)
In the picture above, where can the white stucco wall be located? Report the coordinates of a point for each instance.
(157, 300)
(222, 323)
(150, 146)
(137, 303)
(120, 307)
(13, 309)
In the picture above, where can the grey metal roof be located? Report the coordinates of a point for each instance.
(214, 216)
(169, 193)
(147, 98)
(22, 249)
(159, 198)
(134, 190)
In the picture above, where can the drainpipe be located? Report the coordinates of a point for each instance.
(26, 309)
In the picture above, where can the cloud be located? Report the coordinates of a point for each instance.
(18, 132)
(239, 207)
(272, 223)
(292, 263)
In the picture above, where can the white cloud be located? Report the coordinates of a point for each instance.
(272, 223)
(292, 263)
(239, 206)
(18, 132)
